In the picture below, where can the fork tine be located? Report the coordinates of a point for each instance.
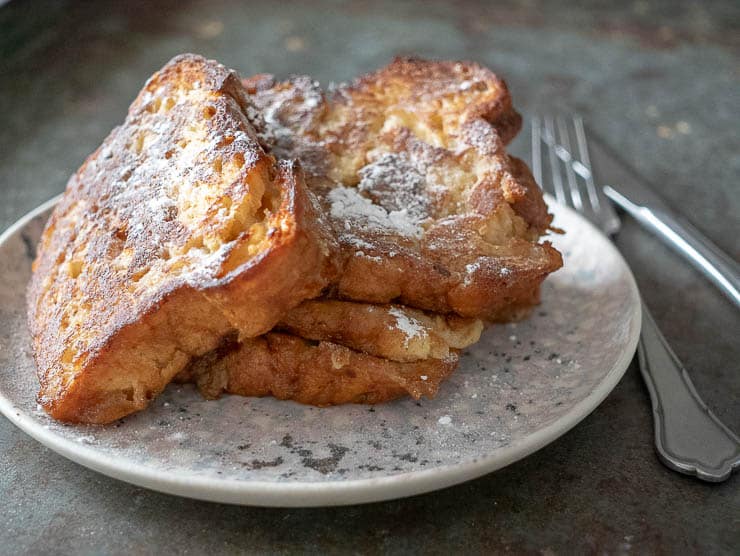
(603, 210)
(557, 135)
(586, 162)
(563, 150)
(536, 151)
(556, 165)
(557, 179)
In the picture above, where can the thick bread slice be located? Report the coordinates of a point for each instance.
(392, 332)
(316, 373)
(177, 231)
(410, 165)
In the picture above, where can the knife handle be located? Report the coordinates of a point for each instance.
(689, 242)
(688, 436)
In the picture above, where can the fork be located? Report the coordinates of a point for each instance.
(689, 438)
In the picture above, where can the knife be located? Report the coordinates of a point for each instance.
(635, 197)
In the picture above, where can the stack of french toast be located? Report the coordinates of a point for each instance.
(259, 237)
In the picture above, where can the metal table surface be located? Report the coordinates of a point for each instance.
(660, 80)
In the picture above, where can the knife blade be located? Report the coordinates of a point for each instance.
(629, 191)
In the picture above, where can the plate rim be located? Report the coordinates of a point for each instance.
(344, 491)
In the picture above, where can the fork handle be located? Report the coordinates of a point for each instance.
(688, 436)
(688, 241)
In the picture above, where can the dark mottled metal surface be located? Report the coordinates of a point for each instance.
(660, 80)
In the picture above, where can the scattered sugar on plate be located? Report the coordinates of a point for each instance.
(85, 439)
(445, 420)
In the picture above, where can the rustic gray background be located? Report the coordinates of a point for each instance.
(660, 80)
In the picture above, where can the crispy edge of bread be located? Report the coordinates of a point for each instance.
(297, 266)
(497, 111)
(121, 372)
(392, 332)
(288, 367)
(432, 286)
(495, 290)
(186, 323)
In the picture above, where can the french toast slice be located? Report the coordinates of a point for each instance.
(391, 332)
(177, 231)
(288, 367)
(410, 164)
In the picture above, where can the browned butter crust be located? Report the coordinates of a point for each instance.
(316, 373)
(177, 231)
(410, 165)
(182, 249)
(392, 332)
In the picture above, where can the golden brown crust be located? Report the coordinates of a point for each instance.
(392, 332)
(444, 93)
(291, 368)
(410, 165)
(178, 230)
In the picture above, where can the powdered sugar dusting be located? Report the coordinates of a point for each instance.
(158, 205)
(347, 205)
(394, 183)
(85, 439)
(470, 270)
(411, 327)
(213, 445)
(472, 267)
(286, 113)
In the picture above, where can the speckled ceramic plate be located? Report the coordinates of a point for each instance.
(522, 386)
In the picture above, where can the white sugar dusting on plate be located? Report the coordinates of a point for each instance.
(445, 420)
(177, 437)
(85, 439)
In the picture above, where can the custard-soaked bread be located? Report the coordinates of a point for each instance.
(331, 352)
(392, 332)
(410, 165)
(179, 230)
(317, 373)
